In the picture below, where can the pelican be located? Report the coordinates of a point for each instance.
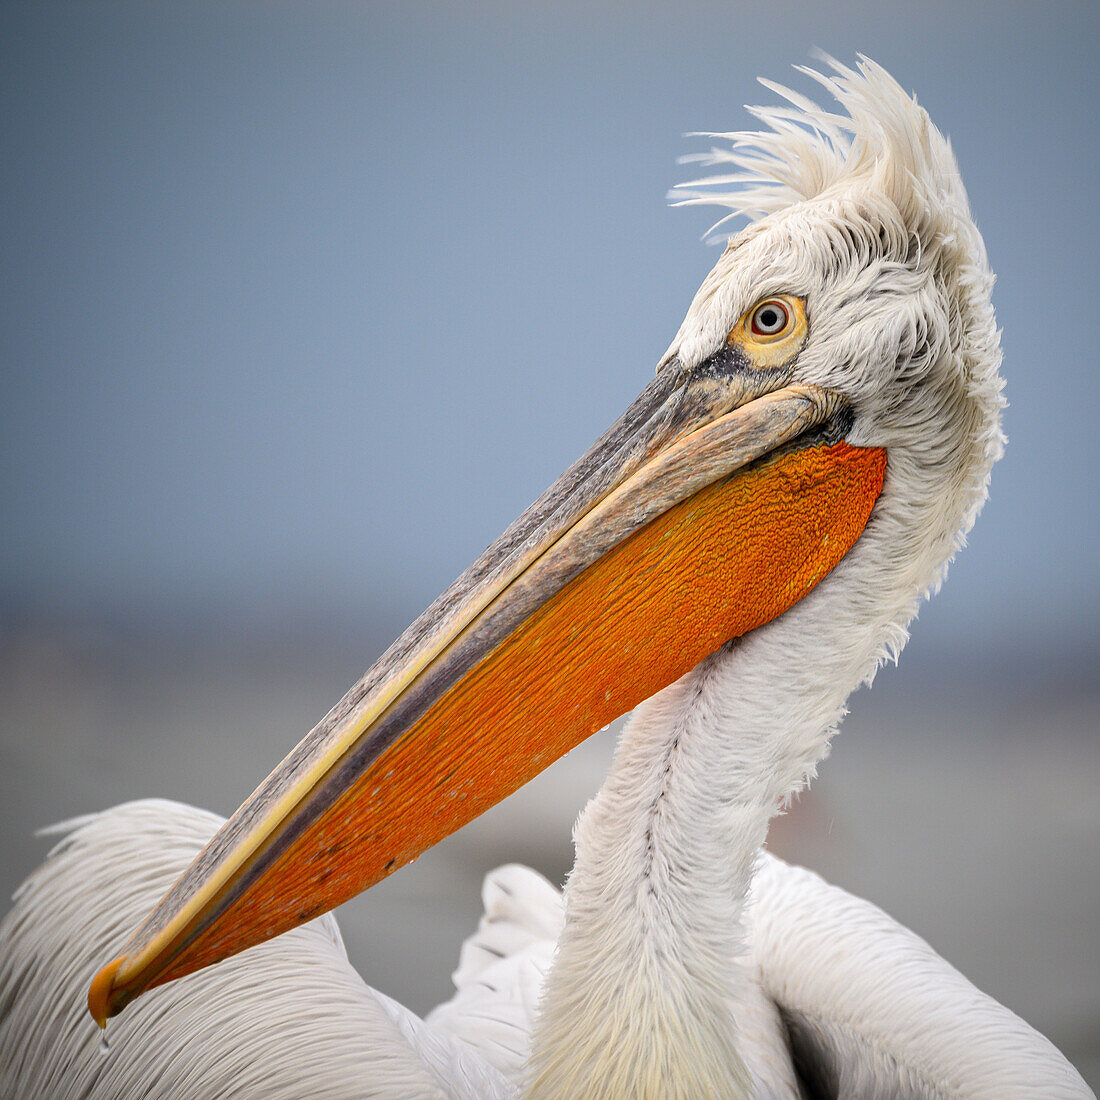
(735, 555)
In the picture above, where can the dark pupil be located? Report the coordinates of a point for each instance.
(769, 318)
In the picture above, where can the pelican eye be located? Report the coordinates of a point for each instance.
(770, 334)
(770, 319)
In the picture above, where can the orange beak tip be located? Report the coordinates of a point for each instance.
(99, 993)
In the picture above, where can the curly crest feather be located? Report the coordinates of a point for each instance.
(885, 138)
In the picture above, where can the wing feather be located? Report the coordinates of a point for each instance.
(873, 1011)
(286, 1020)
(502, 967)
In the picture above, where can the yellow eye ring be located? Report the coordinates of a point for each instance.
(772, 331)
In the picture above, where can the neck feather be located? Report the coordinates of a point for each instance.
(649, 992)
(647, 959)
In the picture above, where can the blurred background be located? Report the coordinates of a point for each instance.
(303, 303)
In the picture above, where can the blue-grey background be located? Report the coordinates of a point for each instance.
(301, 304)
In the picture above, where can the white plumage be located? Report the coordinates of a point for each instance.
(291, 1018)
(683, 963)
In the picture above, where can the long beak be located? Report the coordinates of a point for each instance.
(713, 504)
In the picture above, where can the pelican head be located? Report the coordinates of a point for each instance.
(866, 219)
(815, 445)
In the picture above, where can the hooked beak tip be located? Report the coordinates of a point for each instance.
(99, 994)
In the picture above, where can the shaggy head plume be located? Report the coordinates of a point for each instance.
(886, 138)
